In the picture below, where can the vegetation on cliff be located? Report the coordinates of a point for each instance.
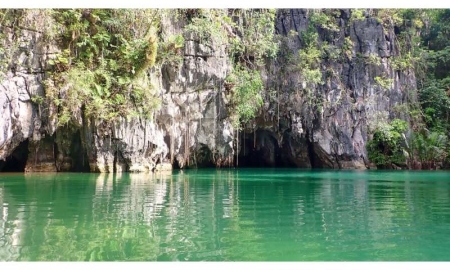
(424, 47)
(105, 57)
(102, 68)
(250, 39)
(106, 53)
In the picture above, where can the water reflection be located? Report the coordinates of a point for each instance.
(225, 215)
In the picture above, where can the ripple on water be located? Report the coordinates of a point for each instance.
(227, 215)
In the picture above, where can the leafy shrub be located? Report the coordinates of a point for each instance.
(357, 14)
(383, 82)
(429, 148)
(246, 99)
(249, 35)
(386, 146)
(101, 70)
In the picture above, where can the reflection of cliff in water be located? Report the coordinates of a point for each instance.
(213, 214)
(8, 251)
(91, 216)
(133, 216)
(142, 196)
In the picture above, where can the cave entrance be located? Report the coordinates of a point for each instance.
(17, 161)
(259, 149)
(204, 157)
(262, 149)
(78, 154)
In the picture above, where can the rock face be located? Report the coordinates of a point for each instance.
(326, 125)
(21, 80)
(190, 128)
(300, 125)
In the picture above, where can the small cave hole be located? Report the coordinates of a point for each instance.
(17, 161)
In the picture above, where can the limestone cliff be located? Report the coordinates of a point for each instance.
(301, 124)
(326, 125)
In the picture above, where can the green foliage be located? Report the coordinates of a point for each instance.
(100, 71)
(422, 43)
(399, 125)
(404, 62)
(436, 104)
(249, 36)
(429, 145)
(309, 58)
(37, 99)
(389, 17)
(374, 59)
(438, 62)
(207, 27)
(310, 64)
(170, 51)
(357, 15)
(321, 19)
(437, 35)
(246, 93)
(330, 51)
(256, 40)
(310, 37)
(347, 48)
(249, 50)
(429, 148)
(386, 147)
(384, 82)
(10, 19)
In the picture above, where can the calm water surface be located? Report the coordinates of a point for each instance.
(226, 215)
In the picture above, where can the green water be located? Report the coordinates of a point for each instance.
(226, 215)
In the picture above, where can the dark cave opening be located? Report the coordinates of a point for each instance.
(259, 149)
(78, 153)
(17, 161)
(314, 158)
(175, 164)
(262, 149)
(203, 158)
